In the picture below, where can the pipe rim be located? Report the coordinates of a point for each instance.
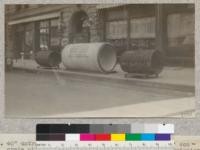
(99, 59)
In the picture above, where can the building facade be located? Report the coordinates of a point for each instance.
(166, 27)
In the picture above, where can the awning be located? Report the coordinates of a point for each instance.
(35, 18)
(103, 6)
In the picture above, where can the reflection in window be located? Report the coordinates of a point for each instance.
(44, 35)
(28, 39)
(55, 36)
(116, 29)
(49, 35)
(143, 27)
(180, 29)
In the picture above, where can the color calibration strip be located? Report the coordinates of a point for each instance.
(118, 137)
(104, 132)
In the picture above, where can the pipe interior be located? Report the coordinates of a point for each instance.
(107, 58)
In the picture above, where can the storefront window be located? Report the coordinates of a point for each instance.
(180, 27)
(116, 29)
(28, 40)
(55, 35)
(143, 32)
(143, 27)
(29, 36)
(130, 27)
(44, 35)
(49, 35)
(117, 14)
(18, 41)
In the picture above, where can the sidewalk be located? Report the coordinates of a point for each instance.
(172, 78)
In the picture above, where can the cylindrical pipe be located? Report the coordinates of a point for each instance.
(142, 61)
(48, 58)
(99, 57)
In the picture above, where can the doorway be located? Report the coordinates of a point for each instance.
(80, 28)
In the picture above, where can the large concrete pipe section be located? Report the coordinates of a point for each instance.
(98, 57)
(142, 62)
(48, 58)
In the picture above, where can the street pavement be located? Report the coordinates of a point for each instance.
(41, 95)
(170, 75)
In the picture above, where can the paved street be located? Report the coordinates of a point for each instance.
(38, 94)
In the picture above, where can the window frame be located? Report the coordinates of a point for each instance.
(49, 34)
(180, 50)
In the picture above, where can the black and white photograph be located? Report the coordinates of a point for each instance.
(99, 60)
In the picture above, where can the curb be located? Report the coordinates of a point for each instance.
(103, 77)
